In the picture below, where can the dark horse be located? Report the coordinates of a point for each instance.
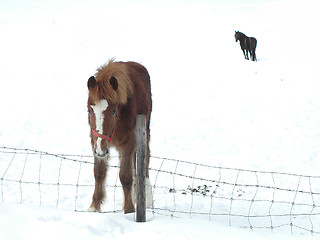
(247, 44)
(118, 92)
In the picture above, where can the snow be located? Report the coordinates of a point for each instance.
(37, 223)
(210, 106)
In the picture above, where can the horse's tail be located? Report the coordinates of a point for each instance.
(254, 49)
(254, 43)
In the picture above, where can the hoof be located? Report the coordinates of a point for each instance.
(92, 209)
(129, 211)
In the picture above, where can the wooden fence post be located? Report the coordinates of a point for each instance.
(141, 140)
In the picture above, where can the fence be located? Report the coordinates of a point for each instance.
(271, 201)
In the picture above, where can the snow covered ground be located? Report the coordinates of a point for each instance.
(210, 106)
(19, 222)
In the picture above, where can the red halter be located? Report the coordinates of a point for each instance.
(103, 136)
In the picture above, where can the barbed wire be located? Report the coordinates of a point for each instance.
(238, 197)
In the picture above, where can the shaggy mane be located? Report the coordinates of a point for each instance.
(104, 89)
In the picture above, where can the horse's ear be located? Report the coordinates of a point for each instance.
(114, 83)
(92, 82)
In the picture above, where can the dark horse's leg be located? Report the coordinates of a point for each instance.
(127, 157)
(244, 53)
(244, 47)
(100, 172)
(254, 55)
(253, 45)
(251, 55)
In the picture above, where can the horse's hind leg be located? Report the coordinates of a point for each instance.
(126, 176)
(100, 172)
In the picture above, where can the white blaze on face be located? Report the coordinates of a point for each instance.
(98, 110)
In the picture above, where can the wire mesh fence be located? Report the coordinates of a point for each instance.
(270, 201)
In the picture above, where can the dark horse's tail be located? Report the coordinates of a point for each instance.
(253, 45)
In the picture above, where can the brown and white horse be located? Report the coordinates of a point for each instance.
(118, 92)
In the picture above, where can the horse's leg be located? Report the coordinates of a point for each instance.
(126, 176)
(100, 173)
(244, 53)
(254, 56)
(251, 55)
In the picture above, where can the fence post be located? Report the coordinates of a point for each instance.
(141, 141)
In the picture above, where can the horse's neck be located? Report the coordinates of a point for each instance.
(243, 40)
(243, 36)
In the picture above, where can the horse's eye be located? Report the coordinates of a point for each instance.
(113, 112)
(89, 112)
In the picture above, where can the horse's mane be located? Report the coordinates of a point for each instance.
(105, 90)
(241, 34)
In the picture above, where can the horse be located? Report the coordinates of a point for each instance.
(247, 44)
(118, 92)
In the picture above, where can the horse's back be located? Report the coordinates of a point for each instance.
(253, 42)
(142, 90)
(139, 73)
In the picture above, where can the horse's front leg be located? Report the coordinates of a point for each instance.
(100, 172)
(127, 157)
(244, 53)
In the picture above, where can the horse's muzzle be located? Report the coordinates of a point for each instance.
(101, 154)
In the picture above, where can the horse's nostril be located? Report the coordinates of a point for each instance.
(101, 154)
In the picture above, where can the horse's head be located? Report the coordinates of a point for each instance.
(102, 115)
(236, 36)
